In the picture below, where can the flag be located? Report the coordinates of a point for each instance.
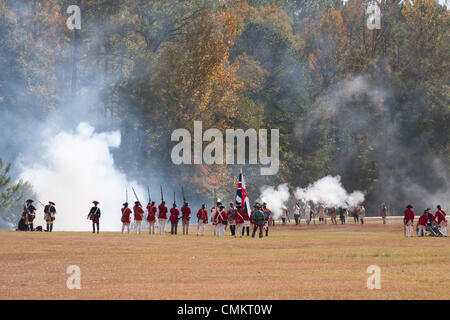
(241, 194)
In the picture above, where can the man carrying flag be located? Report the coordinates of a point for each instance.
(243, 200)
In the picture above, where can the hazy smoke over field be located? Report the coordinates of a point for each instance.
(275, 198)
(330, 191)
(74, 169)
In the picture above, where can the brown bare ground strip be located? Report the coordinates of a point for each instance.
(305, 262)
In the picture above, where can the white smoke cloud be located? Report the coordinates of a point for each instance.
(275, 198)
(74, 169)
(330, 191)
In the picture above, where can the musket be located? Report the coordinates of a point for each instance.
(182, 191)
(149, 198)
(126, 195)
(41, 203)
(135, 195)
(162, 195)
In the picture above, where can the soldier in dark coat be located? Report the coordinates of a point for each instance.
(29, 213)
(94, 215)
(49, 215)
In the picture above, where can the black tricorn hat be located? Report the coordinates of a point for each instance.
(30, 200)
(203, 204)
(125, 204)
(95, 202)
(409, 206)
(439, 206)
(137, 203)
(221, 206)
(52, 203)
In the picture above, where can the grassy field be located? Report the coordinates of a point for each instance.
(315, 262)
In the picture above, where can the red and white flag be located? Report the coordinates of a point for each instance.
(241, 194)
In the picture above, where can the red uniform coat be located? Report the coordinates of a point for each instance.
(185, 212)
(126, 215)
(440, 216)
(202, 215)
(174, 213)
(151, 213)
(138, 213)
(431, 217)
(245, 215)
(423, 220)
(409, 215)
(162, 212)
(220, 216)
(239, 217)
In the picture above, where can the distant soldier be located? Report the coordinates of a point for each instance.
(162, 217)
(49, 215)
(408, 220)
(258, 221)
(214, 210)
(268, 214)
(383, 212)
(239, 220)
(246, 226)
(321, 213)
(333, 215)
(342, 215)
(231, 213)
(202, 216)
(29, 213)
(185, 217)
(284, 214)
(441, 220)
(94, 216)
(431, 217)
(138, 216)
(151, 217)
(362, 213)
(422, 224)
(307, 211)
(126, 217)
(221, 220)
(174, 213)
(355, 212)
(297, 216)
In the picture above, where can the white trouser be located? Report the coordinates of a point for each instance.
(201, 226)
(138, 226)
(126, 225)
(162, 225)
(220, 230)
(422, 231)
(443, 228)
(151, 227)
(239, 227)
(409, 229)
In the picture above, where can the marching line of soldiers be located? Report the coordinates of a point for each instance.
(26, 222)
(435, 223)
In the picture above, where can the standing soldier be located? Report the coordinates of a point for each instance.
(383, 212)
(408, 220)
(174, 213)
(231, 216)
(246, 226)
(138, 216)
(221, 220)
(333, 215)
(321, 213)
(267, 214)
(258, 221)
(151, 217)
(239, 221)
(296, 209)
(355, 212)
(215, 210)
(362, 213)
(202, 216)
(29, 213)
(185, 217)
(284, 214)
(307, 210)
(422, 224)
(162, 217)
(49, 215)
(94, 215)
(441, 220)
(126, 217)
(342, 214)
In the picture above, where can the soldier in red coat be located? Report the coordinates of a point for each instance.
(162, 217)
(138, 216)
(151, 217)
(239, 221)
(202, 216)
(222, 219)
(441, 220)
(408, 220)
(126, 217)
(174, 213)
(422, 224)
(246, 226)
(185, 217)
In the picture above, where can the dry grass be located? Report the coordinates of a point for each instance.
(315, 262)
